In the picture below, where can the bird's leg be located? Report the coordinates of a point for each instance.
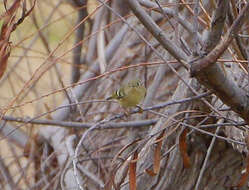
(126, 113)
(140, 110)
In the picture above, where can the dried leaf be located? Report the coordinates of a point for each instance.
(4, 55)
(11, 10)
(157, 155)
(183, 148)
(111, 182)
(244, 177)
(24, 15)
(8, 26)
(150, 172)
(132, 172)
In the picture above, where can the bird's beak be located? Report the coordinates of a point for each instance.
(109, 98)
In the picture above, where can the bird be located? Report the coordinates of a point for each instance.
(130, 95)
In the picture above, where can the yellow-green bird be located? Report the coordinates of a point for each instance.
(130, 95)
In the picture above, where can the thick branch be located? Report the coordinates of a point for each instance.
(209, 73)
(13, 134)
(79, 35)
(212, 57)
(80, 90)
(172, 14)
(156, 31)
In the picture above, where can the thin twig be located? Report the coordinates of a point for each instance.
(195, 36)
(35, 120)
(206, 159)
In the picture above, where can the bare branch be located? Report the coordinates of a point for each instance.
(80, 31)
(156, 31)
(209, 73)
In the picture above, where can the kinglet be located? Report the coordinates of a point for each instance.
(130, 95)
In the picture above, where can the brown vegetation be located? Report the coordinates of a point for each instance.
(60, 60)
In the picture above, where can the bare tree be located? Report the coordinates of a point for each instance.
(192, 56)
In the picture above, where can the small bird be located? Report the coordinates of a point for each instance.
(130, 95)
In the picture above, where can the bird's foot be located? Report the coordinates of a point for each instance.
(140, 110)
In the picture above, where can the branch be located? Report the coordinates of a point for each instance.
(92, 72)
(6, 176)
(19, 138)
(79, 35)
(80, 125)
(212, 57)
(156, 31)
(208, 72)
(172, 14)
(110, 125)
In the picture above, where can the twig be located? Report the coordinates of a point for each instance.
(211, 134)
(80, 125)
(206, 159)
(195, 36)
(35, 120)
(172, 13)
(159, 34)
(6, 175)
(82, 14)
(210, 74)
(83, 137)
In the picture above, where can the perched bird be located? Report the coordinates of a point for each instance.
(130, 95)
